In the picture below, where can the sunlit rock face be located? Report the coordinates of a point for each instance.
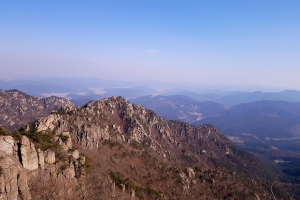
(29, 156)
(7, 144)
(13, 178)
(25, 170)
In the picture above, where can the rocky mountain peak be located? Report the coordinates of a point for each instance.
(139, 155)
(115, 119)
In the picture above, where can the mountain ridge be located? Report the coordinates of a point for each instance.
(155, 146)
(138, 155)
(17, 108)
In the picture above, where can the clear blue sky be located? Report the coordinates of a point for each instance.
(241, 42)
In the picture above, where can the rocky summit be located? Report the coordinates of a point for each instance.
(111, 149)
(17, 108)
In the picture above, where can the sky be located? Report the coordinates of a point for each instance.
(224, 42)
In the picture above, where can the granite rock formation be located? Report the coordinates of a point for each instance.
(135, 153)
(153, 157)
(30, 173)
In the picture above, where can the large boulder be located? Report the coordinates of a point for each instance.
(7, 144)
(65, 141)
(29, 156)
(49, 157)
(47, 123)
(41, 157)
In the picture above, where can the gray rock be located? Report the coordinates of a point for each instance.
(29, 157)
(7, 144)
(49, 157)
(41, 157)
(13, 180)
(75, 154)
(47, 123)
(23, 189)
(65, 141)
(191, 172)
(69, 172)
(18, 170)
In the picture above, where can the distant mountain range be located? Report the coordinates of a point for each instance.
(79, 90)
(275, 119)
(234, 98)
(82, 90)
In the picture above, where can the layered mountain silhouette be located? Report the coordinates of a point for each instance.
(275, 119)
(233, 98)
(136, 155)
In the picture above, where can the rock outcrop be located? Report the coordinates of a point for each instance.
(116, 119)
(30, 173)
(49, 157)
(41, 157)
(29, 156)
(113, 130)
(7, 144)
(13, 178)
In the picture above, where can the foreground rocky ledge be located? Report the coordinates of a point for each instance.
(27, 172)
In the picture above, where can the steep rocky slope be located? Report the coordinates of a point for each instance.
(44, 169)
(17, 108)
(137, 153)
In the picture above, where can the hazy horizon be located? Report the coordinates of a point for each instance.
(213, 43)
(177, 87)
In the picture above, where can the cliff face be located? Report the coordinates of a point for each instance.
(13, 178)
(148, 157)
(30, 173)
(17, 108)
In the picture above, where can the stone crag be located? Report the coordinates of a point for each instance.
(30, 173)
